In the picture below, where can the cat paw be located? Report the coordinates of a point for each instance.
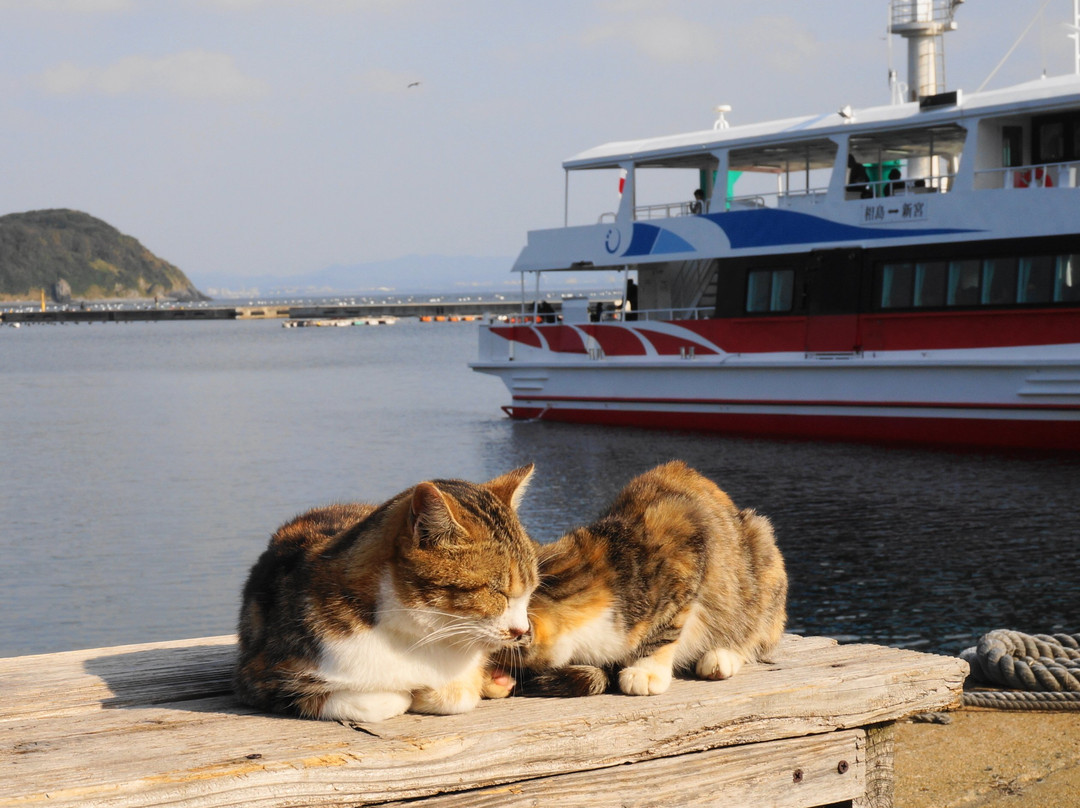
(498, 684)
(450, 699)
(719, 663)
(348, 705)
(644, 680)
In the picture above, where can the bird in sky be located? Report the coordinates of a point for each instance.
(413, 84)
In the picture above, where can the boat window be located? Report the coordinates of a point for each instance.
(792, 174)
(931, 278)
(1012, 146)
(963, 289)
(1056, 138)
(1052, 142)
(770, 290)
(1036, 279)
(896, 282)
(995, 281)
(902, 162)
(1067, 280)
(999, 281)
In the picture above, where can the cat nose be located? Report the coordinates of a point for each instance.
(520, 634)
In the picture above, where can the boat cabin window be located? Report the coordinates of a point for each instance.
(1056, 138)
(909, 161)
(965, 278)
(1036, 279)
(770, 290)
(999, 281)
(1012, 146)
(993, 281)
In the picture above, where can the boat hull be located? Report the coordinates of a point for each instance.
(1012, 396)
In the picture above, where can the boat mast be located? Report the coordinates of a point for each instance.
(922, 23)
(1075, 36)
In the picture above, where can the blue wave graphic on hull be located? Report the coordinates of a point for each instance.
(648, 239)
(769, 227)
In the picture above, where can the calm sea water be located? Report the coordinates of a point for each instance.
(143, 468)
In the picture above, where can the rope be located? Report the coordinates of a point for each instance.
(1042, 671)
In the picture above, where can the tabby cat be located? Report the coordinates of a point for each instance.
(361, 612)
(672, 577)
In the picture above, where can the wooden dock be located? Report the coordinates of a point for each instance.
(156, 724)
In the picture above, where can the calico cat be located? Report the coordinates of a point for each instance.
(672, 577)
(361, 612)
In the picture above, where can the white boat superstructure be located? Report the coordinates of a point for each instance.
(907, 272)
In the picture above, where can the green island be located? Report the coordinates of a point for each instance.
(70, 255)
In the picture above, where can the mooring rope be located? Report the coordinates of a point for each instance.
(1041, 670)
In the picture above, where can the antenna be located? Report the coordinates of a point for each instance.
(721, 121)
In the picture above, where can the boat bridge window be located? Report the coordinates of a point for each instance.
(992, 281)
(908, 161)
(770, 290)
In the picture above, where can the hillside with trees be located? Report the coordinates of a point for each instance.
(72, 255)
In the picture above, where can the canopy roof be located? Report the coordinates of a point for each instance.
(904, 130)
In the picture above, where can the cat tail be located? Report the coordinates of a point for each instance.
(571, 680)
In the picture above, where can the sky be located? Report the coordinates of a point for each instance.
(244, 138)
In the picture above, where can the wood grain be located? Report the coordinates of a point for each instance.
(155, 724)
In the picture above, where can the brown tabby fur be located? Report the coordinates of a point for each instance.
(361, 612)
(671, 577)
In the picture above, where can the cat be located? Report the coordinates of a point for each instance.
(358, 612)
(672, 577)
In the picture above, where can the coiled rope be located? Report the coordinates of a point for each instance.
(1041, 670)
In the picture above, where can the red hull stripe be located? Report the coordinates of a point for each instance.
(1050, 435)
(564, 339)
(616, 340)
(884, 331)
(667, 345)
(518, 333)
(924, 405)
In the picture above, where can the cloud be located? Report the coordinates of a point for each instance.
(307, 5)
(801, 46)
(191, 75)
(79, 6)
(665, 39)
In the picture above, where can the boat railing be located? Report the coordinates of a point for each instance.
(686, 313)
(665, 210)
(1043, 175)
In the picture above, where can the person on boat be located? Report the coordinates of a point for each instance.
(895, 183)
(697, 207)
(858, 178)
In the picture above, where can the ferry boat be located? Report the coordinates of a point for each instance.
(911, 274)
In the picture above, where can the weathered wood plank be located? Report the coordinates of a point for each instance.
(880, 748)
(793, 773)
(209, 751)
(100, 678)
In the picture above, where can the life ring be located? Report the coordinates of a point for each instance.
(1037, 177)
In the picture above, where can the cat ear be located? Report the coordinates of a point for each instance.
(430, 517)
(510, 487)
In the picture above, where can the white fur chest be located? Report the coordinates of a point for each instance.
(394, 655)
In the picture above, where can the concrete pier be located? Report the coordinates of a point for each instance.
(447, 310)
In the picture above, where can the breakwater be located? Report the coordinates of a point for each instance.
(448, 309)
